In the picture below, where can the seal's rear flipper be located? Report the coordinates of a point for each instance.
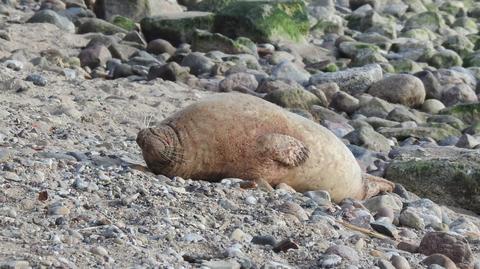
(284, 149)
(374, 185)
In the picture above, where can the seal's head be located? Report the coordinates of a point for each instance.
(160, 147)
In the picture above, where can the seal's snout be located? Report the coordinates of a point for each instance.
(141, 137)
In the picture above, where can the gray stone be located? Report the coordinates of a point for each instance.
(401, 89)
(94, 56)
(447, 175)
(370, 139)
(235, 80)
(94, 25)
(159, 46)
(198, 63)
(459, 94)
(345, 252)
(50, 16)
(344, 102)
(432, 106)
(289, 71)
(354, 80)
(135, 10)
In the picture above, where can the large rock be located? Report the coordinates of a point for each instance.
(468, 113)
(50, 16)
(402, 89)
(457, 94)
(176, 27)
(135, 9)
(437, 131)
(453, 246)
(293, 98)
(94, 25)
(369, 138)
(354, 80)
(264, 21)
(432, 21)
(447, 175)
(205, 41)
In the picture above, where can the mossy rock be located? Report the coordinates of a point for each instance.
(212, 5)
(405, 66)
(445, 59)
(177, 28)
(453, 7)
(460, 44)
(427, 20)
(468, 113)
(420, 34)
(448, 176)
(123, 22)
(466, 23)
(323, 27)
(264, 21)
(472, 60)
(293, 98)
(353, 48)
(205, 41)
(437, 131)
(365, 57)
(94, 25)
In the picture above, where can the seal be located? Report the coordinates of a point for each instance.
(242, 136)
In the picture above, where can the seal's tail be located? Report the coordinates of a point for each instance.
(374, 185)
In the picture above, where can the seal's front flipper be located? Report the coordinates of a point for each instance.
(374, 185)
(284, 149)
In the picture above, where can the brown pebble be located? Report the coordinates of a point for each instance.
(285, 245)
(385, 212)
(377, 253)
(451, 245)
(441, 260)
(408, 246)
(399, 262)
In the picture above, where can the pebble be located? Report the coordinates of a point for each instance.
(264, 240)
(58, 210)
(285, 245)
(451, 245)
(38, 80)
(441, 260)
(345, 252)
(385, 212)
(294, 209)
(384, 264)
(409, 218)
(385, 228)
(383, 201)
(14, 65)
(240, 236)
(329, 261)
(15, 264)
(251, 200)
(231, 264)
(321, 198)
(100, 251)
(399, 262)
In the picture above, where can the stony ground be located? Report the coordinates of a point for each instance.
(73, 193)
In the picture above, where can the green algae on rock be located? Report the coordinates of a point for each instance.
(205, 41)
(468, 113)
(177, 27)
(447, 175)
(123, 22)
(437, 131)
(426, 20)
(264, 21)
(293, 98)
